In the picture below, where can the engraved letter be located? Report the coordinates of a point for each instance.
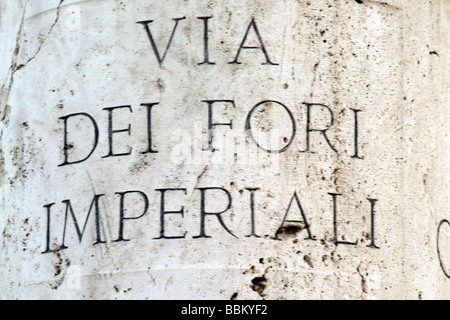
(163, 212)
(261, 45)
(80, 233)
(152, 41)
(149, 127)
(252, 211)
(335, 240)
(212, 124)
(323, 131)
(47, 250)
(304, 222)
(204, 213)
(122, 211)
(248, 127)
(66, 145)
(205, 42)
(111, 131)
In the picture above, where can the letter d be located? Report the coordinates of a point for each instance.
(66, 145)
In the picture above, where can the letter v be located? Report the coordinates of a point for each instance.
(152, 41)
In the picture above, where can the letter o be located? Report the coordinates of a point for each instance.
(248, 126)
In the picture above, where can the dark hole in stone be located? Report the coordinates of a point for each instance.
(289, 230)
(234, 296)
(57, 270)
(259, 285)
(359, 1)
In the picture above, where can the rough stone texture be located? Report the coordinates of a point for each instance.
(381, 64)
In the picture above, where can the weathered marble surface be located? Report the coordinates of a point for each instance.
(273, 149)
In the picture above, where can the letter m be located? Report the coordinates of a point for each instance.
(80, 232)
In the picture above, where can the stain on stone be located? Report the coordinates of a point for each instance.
(58, 271)
(259, 285)
(324, 243)
(18, 67)
(69, 146)
(6, 112)
(288, 231)
(364, 288)
(308, 260)
(434, 53)
(234, 296)
(139, 166)
(201, 175)
(160, 84)
(252, 270)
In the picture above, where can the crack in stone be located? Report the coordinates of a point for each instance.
(4, 108)
(382, 4)
(201, 175)
(2, 160)
(42, 42)
(6, 88)
(363, 282)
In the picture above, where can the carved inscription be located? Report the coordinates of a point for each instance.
(293, 217)
(309, 131)
(79, 217)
